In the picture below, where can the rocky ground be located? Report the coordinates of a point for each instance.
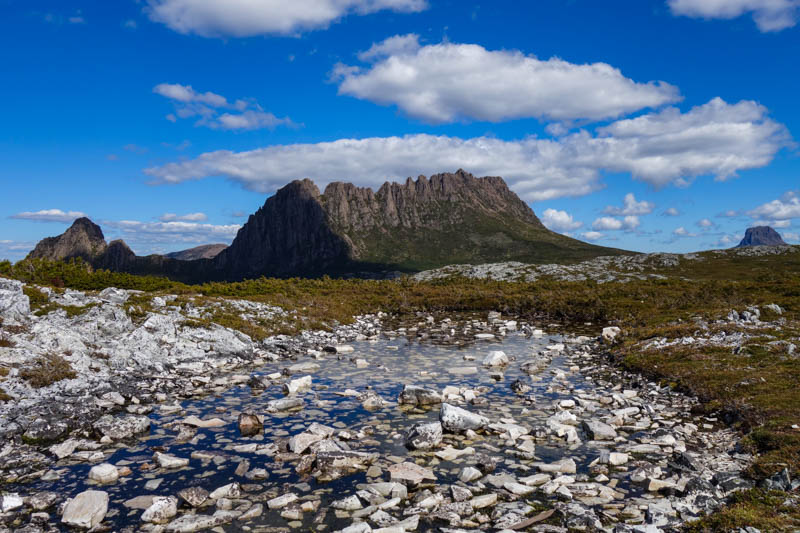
(553, 438)
(601, 269)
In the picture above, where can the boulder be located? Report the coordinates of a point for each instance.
(162, 510)
(123, 427)
(297, 385)
(496, 358)
(419, 396)
(599, 430)
(424, 436)
(86, 510)
(14, 304)
(250, 424)
(456, 419)
(104, 473)
(611, 333)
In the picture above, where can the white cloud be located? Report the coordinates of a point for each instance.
(730, 213)
(399, 44)
(245, 18)
(171, 232)
(50, 215)
(727, 240)
(773, 223)
(208, 108)
(791, 236)
(449, 82)
(631, 207)
(592, 235)
(671, 212)
(785, 208)
(661, 149)
(683, 232)
(607, 223)
(769, 15)
(185, 94)
(559, 221)
(190, 217)
(705, 223)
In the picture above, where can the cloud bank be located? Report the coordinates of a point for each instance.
(660, 148)
(769, 15)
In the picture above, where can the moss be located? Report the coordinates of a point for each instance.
(4, 397)
(764, 510)
(47, 370)
(4, 371)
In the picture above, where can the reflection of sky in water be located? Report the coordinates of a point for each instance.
(392, 363)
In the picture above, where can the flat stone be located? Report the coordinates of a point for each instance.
(170, 461)
(86, 510)
(598, 430)
(457, 419)
(282, 501)
(198, 423)
(424, 436)
(411, 472)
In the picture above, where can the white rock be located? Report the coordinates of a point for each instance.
(170, 461)
(457, 419)
(297, 385)
(469, 474)
(104, 473)
(496, 358)
(86, 510)
(282, 501)
(610, 333)
(162, 509)
(10, 502)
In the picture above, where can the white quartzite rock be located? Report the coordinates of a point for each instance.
(86, 510)
(457, 419)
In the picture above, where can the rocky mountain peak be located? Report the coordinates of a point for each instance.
(761, 236)
(83, 239)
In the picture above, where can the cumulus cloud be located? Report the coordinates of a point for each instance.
(246, 18)
(671, 212)
(449, 82)
(662, 148)
(790, 236)
(769, 15)
(190, 217)
(559, 221)
(592, 235)
(683, 232)
(214, 111)
(784, 208)
(730, 213)
(705, 223)
(50, 215)
(631, 207)
(630, 222)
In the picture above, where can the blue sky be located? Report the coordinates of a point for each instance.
(634, 124)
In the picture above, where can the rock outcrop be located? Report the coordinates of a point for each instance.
(761, 236)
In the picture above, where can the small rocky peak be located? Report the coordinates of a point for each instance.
(761, 236)
(83, 239)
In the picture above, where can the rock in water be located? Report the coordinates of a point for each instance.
(424, 436)
(414, 395)
(496, 358)
(86, 510)
(250, 424)
(761, 236)
(162, 510)
(457, 419)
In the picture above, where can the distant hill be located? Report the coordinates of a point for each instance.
(348, 230)
(761, 236)
(205, 251)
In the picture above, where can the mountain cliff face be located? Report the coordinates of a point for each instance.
(347, 230)
(427, 223)
(761, 236)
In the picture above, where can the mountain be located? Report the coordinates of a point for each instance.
(761, 236)
(427, 223)
(205, 251)
(347, 230)
(83, 239)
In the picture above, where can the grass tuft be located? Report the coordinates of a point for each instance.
(47, 370)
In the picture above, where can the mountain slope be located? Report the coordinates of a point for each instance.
(427, 223)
